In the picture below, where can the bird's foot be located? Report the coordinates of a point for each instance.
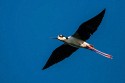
(108, 56)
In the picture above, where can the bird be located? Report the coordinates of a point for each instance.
(77, 40)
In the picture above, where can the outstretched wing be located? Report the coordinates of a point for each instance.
(59, 54)
(86, 29)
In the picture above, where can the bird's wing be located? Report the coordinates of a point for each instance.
(59, 54)
(86, 29)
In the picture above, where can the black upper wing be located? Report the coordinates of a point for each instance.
(86, 29)
(59, 54)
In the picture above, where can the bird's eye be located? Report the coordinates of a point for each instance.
(60, 35)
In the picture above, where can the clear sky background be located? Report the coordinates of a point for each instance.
(25, 45)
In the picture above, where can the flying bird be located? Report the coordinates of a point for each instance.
(76, 41)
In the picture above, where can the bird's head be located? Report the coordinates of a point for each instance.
(61, 37)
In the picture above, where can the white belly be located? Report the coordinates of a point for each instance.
(85, 44)
(76, 42)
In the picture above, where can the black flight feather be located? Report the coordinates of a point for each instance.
(59, 54)
(86, 29)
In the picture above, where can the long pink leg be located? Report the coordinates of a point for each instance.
(101, 53)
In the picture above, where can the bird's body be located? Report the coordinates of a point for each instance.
(76, 41)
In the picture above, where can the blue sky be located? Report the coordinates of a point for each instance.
(25, 45)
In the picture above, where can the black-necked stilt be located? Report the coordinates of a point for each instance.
(77, 40)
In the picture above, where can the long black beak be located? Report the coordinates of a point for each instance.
(53, 38)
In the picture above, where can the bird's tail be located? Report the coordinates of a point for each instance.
(102, 53)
